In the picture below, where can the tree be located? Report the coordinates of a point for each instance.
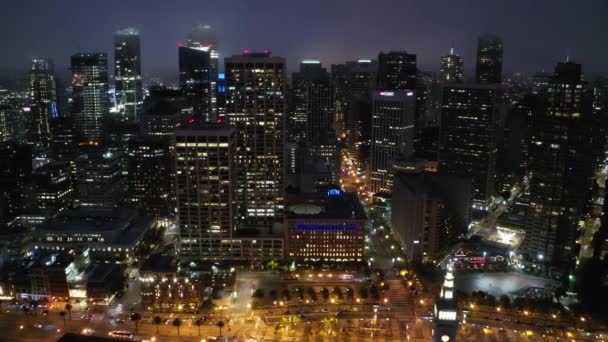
(373, 290)
(285, 294)
(273, 294)
(491, 301)
(177, 323)
(157, 321)
(300, 292)
(258, 294)
(135, 317)
(350, 294)
(62, 314)
(363, 292)
(338, 292)
(312, 294)
(325, 293)
(198, 324)
(220, 325)
(68, 308)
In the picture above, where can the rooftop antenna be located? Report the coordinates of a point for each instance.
(452, 48)
(568, 55)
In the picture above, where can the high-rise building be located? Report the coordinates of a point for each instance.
(392, 136)
(429, 212)
(99, 179)
(255, 106)
(127, 73)
(43, 101)
(15, 180)
(195, 79)
(90, 104)
(203, 36)
(489, 60)
(149, 181)
(163, 110)
(312, 116)
(396, 71)
(562, 160)
(467, 144)
(452, 68)
(206, 189)
(354, 84)
(54, 186)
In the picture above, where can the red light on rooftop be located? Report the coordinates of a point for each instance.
(220, 121)
(246, 51)
(191, 120)
(266, 51)
(179, 44)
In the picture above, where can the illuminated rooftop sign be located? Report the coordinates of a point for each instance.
(387, 93)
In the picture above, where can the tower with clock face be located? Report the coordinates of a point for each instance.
(445, 323)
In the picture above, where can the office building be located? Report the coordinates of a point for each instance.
(467, 145)
(163, 110)
(197, 75)
(54, 186)
(15, 180)
(203, 36)
(149, 181)
(325, 227)
(562, 160)
(429, 212)
(206, 196)
(392, 136)
(396, 71)
(99, 179)
(255, 106)
(108, 236)
(90, 104)
(127, 75)
(354, 84)
(489, 60)
(452, 68)
(43, 101)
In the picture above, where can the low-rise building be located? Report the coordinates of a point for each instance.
(109, 236)
(325, 227)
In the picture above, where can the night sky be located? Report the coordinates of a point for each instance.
(537, 34)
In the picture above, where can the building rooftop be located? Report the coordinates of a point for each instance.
(118, 226)
(332, 205)
(159, 263)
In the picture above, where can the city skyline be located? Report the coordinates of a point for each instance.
(549, 37)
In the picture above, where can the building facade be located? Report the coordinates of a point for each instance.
(467, 145)
(195, 79)
(452, 68)
(99, 179)
(396, 71)
(325, 227)
(489, 60)
(127, 75)
(43, 97)
(392, 136)
(90, 104)
(562, 163)
(255, 106)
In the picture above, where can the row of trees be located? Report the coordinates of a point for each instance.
(364, 292)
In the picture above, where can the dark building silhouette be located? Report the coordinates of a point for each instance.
(396, 71)
(489, 60)
(195, 79)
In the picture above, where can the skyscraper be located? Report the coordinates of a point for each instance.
(396, 71)
(43, 101)
(99, 179)
(206, 189)
(562, 162)
(90, 104)
(392, 136)
(127, 72)
(452, 68)
(467, 145)
(354, 83)
(204, 36)
(195, 79)
(255, 106)
(150, 187)
(489, 60)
